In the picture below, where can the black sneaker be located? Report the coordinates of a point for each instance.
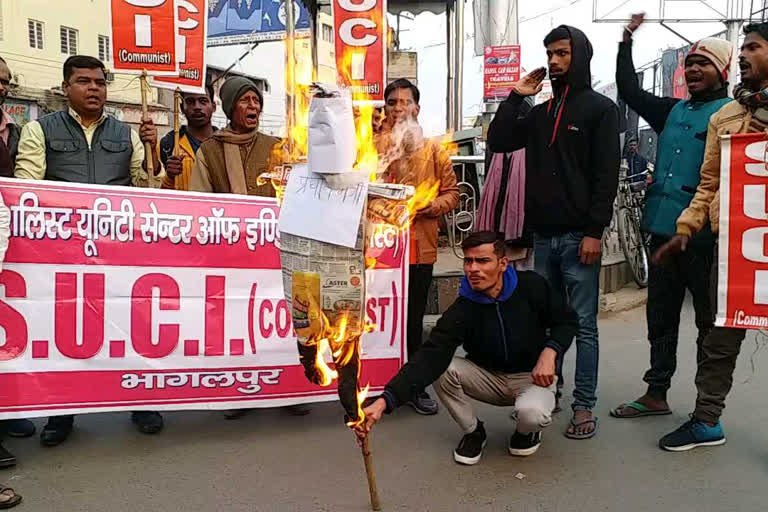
(522, 445)
(57, 430)
(691, 434)
(424, 404)
(470, 448)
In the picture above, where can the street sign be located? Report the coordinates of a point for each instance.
(501, 68)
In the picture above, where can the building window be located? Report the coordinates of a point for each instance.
(104, 49)
(35, 34)
(327, 34)
(68, 41)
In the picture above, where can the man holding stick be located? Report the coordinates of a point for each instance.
(513, 325)
(198, 110)
(86, 145)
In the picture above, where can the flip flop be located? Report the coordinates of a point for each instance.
(642, 410)
(593, 419)
(14, 499)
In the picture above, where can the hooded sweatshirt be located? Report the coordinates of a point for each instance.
(505, 334)
(572, 150)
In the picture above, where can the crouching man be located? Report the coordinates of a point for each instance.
(512, 326)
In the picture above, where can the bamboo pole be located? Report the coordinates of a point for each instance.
(148, 156)
(176, 122)
(368, 459)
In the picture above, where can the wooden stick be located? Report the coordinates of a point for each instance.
(148, 156)
(368, 459)
(176, 108)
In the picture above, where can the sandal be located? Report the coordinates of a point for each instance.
(640, 410)
(13, 498)
(593, 419)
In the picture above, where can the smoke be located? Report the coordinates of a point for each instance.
(405, 139)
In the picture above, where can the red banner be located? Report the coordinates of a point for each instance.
(501, 68)
(361, 47)
(118, 298)
(742, 299)
(192, 20)
(144, 36)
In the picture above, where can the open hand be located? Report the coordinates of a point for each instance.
(530, 84)
(675, 245)
(589, 250)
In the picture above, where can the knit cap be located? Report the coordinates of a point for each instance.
(717, 51)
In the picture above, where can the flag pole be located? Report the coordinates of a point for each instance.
(148, 157)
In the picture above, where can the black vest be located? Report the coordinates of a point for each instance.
(68, 158)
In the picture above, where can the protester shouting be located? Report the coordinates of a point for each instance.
(682, 129)
(512, 326)
(86, 145)
(412, 160)
(232, 159)
(720, 348)
(9, 130)
(198, 110)
(572, 162)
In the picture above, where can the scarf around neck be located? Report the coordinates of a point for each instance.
(233, 142)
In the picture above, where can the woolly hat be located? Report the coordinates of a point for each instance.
(233, 89)
(717, 51)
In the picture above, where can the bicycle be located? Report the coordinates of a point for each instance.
(634, 243)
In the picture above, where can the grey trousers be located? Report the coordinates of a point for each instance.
(464, 381)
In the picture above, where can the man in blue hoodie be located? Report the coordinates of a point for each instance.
(682, 128)
(512, 326)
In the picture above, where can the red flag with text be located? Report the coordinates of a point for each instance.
(144, 36)
(742, 298)
(192, 19)
(361, 46)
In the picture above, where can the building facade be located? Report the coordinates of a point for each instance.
(37, 36)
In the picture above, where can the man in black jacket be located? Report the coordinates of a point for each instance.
(512, 326)
(572, 164)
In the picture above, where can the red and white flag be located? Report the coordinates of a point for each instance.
(144, 36)
(192, 19)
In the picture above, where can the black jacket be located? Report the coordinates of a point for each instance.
(505, 335)
(572, 164)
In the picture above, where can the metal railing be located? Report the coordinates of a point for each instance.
(461, 221)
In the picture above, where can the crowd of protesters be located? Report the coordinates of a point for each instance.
(515, 325)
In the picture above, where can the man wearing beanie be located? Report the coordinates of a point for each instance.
(682, 129)
(231, 161)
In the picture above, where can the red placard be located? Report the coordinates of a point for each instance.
(742, 299)
(501, 68)
(144, 36)
(193, 31)
(117, 298)
(361, 47)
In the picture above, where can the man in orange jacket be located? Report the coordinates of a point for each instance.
(417, 161)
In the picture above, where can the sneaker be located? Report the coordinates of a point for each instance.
(470, 448)
(19, 428)
(424, 404)
(522, 445)
(147, 422)
(691, 434)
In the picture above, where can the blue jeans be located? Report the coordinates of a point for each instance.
(557, 259)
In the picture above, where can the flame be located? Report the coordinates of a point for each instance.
(361, 396)
(327, 375)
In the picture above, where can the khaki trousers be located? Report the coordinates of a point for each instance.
(464, 381)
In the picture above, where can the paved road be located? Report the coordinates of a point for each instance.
(271, 461)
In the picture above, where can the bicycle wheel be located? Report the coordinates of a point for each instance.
(633, 246)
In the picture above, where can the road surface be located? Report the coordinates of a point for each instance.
(270, 461)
